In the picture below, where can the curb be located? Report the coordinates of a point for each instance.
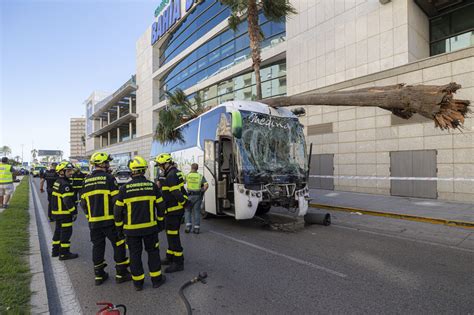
(39, 298)
(409, 217)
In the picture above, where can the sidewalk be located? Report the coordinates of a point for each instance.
(416, 209)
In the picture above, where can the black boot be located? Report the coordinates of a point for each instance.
(123, 277)
(174, 267)
(55, 251)
(187, 229)
(67, 256)
(158, 283)
(100, 274)
(138, 285)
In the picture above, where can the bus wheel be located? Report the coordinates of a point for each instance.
(263, 208)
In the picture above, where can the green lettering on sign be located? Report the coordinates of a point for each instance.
(160, 8)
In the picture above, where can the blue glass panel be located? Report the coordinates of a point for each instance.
(209, 122)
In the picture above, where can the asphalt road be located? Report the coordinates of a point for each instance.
(345, 268)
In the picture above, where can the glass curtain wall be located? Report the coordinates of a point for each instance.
(218, 54)
(453, 30)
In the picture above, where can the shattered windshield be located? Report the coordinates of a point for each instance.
(271, 146)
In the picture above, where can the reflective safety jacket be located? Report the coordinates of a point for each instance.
(50, 176)
(97, 198)
(62, 201)
(139, 208)
(173, 190)
(194, 181)
(77, 180)
(6, 175)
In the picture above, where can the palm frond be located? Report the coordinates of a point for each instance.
(277, 10)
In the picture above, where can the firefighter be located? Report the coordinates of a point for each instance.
(139, 212)
(175, 196)
(64, 212)
(97, 199)
(49, 176)
(77, 181)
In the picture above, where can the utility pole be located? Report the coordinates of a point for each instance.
(22, 153)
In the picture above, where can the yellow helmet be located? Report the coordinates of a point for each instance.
(65, 165)
(163, 158)
(137, 164)
(100, 157)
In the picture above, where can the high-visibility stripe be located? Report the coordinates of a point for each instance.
(119, 203)
(160, 218)
(120, 243)
(175, 208)
(126, 262)
(104, 193)
(140, 225)
(178, 254)
(61, 212)
(138, 278)
(101, 264)
(56, 242)
(98, 278)
(159, 200)
(141, 198)
(118, 223)
(101, 218)
(172, 232)
(114, 193)
(157, 244)
(171, 188)
(66, 224)
(62, 195)
(155, 273)
(63, 245)
(169, 251)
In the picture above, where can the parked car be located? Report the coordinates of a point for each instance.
(123, 175)
(37, 170)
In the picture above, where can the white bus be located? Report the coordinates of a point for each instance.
(253, 156)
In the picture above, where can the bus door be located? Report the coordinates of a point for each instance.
(225, 174)
(210, 173)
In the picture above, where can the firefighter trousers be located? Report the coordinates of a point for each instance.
(175, 250)
(98, 236)
(152, 247)
(50, 195)
(62, 234)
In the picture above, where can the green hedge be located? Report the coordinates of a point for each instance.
(14, 246)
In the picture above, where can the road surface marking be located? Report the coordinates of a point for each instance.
(269, 251)
(404, 238)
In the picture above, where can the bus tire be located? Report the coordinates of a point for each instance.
(318, 218)
(263, 208)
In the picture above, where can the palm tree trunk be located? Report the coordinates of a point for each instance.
(432, 101)
(255, 37)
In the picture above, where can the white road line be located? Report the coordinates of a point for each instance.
(269, 251)
(66, 292)
(404, 238)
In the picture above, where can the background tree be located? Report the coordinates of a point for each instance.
(177, 111)
(274, 10)
(5, 150)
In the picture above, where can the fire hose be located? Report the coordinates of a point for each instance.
(200, 278)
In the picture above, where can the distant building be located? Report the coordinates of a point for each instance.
(77, 140)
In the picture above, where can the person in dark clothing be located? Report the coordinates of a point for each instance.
(139, 213)
(77, 181)
(176, 199)
(64, 212)
(97, 200)
(49, 176)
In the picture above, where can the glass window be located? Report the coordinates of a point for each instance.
(209, 122)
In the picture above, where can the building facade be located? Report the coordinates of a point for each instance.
(77, 138)
(328, 45)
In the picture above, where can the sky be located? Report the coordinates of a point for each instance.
(53, 55)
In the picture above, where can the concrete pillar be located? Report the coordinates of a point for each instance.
(118, 134)
(108, 137)
(130, 129)
(101, 140)
(101, 123)
(130, 104)
(118, 111)
(108, 118)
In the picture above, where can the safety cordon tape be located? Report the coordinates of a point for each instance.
(455, 223)
(451, 179)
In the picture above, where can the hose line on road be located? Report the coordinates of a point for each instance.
(201, 277)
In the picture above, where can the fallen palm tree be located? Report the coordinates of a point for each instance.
(435, 102)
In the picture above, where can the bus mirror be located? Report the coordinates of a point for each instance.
(237, 124)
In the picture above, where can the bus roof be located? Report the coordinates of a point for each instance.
(249, 106)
